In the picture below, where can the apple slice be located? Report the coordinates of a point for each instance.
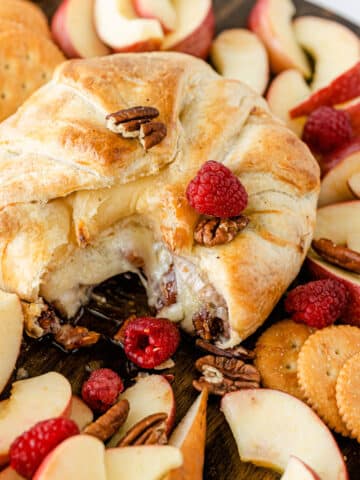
(149, 395)
(334, 47)
(162, 10)
(190, 437)
(340, 166)
(11, 329)
(74, 31)
(239, 54)
(10, 474)
(343, 88)
(32, 400)
(80, 457)
(269, 426)
(80, 413)
(298, 470)
(339, 223)
(195, 28)
(118, 27)
(271, 21)
(150, 462)
(286, 90)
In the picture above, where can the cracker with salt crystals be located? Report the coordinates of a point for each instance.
(348, 395)
(27, 61)
(277, 351)
(320, 361)
(25, 13)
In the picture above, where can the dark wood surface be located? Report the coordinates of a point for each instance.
(125, 296)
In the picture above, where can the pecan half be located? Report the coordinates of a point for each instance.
(72, 338)
(109, 423)
(149, 431)
(218, 231)
(223, 375)
(337, 254)
(136, 122)
(234, 352)
(207, 325)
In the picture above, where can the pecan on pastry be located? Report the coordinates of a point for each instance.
(217, 231)
(94, 202)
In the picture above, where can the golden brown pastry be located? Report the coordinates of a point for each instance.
(25, 13)
(80, 203)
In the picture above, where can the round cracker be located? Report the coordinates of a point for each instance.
(277, 351)
(348, 395)
(27, 62)
(320, 361)
(25, 13)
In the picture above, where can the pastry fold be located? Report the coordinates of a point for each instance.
(80, 203)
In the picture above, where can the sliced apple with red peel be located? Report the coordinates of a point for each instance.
(162, 10)
(10, 474)
(297, 470)
(31, 401)
(149, 462)
(339, 223)
(239, 54)
(286, 90)
(338, 168)
(81, 457)
(11, 329)
(269, 426)
(271, 20)
(119, 27)
(334, 47)
(149, 395)
(343, 88)
(74, 31)
(80, 413)
(190, 437)
(195, 28)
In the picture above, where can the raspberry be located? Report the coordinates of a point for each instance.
(217, 191)
(29, 449)
(150, 341)
(327, 129)
(318, 303)
(102, 389)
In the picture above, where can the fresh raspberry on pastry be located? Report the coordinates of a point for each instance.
(101, 201)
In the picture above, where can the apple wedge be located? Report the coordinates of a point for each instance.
(149, 395)
(286, 90)
(190, 437)
(339, 167)
(298, 470)
(269, 426)
(162, 10)
(338, 222)
(119, 27)
(10, 474)
(240, 55)
(80, 457)
(11, 329)
(80, 413)
(74, 31)
(334, 47)
(141, 463)
(195, 28)
(271, 20)
(32, 400)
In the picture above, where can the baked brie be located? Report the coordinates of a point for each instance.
(81, 203)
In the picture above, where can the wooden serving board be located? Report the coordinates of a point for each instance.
(125, 296)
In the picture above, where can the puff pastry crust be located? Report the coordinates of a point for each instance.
(80, 203)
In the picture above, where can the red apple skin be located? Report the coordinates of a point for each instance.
(328, 162)
(352, 314)
(198, 43)
(149, 46)
(59, 31)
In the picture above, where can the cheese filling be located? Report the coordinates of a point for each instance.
(130, 247)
